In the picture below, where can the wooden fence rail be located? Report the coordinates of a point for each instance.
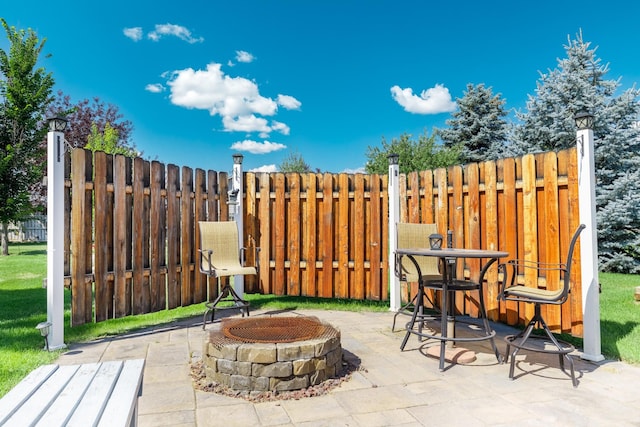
(131, 230)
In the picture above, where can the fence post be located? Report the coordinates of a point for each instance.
(394, 214)
(55, 232)
(236, 206)
(589, 239)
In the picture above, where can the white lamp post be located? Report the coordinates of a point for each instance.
(55, 234)
(589, 239)
(236, 195)
(394, 215)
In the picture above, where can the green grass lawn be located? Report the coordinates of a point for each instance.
(23, 304)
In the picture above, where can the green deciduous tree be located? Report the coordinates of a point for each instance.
(478, 125)
(25, 92)
(107, 141)
(294, 162)
(84, 114)
(414, 155)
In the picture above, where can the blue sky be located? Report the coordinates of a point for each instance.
(202, 80)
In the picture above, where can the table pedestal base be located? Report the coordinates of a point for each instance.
(459, 355)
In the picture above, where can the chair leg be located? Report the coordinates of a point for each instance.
(487, 327)
(227, 290)
(522, 337)
(416, 310)
(400, 311)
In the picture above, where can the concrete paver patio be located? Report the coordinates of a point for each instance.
(391, 387)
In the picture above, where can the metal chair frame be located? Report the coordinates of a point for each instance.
(512, 291)
(221, 256)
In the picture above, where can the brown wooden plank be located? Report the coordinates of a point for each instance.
(375, 239)
(146, 236)
(413, 195)
(140, 293)
(122, 297)
(551, 229)
(442, 200)
(294, 220)
(158, 238)
(359, 238)
(199, 214)
(265, 233)
(81, 312)
(103, 299)
(473, 236)
(173, 236)
(342, 230)
(280, 234)
(310, 287)
(384, 226)
(403, 195)
(426, 211)
(575, 297)
(186, 237)
(530, 223)
(250, 228)
(327, 236)
(491, 237)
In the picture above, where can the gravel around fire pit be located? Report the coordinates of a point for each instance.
(202, 383)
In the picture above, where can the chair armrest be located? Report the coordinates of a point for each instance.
(256, 257)
(206, 254)
(513, 268)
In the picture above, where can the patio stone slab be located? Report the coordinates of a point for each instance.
(390, 387)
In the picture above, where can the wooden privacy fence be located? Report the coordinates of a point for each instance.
(132, 230)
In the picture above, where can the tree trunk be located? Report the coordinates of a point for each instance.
(4, 237)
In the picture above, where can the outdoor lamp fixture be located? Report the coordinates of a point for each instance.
(583, 120)
(237, 159)
(435, 241)
(57, 124)
(45, 328)
(393, 159)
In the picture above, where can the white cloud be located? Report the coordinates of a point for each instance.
(236, 100)
(255, 147)
(243, 56)
(280, 127)
(179, 31)
(134, 33)
(265, 168)
(431, 101)
(358, 170)
(289, 102)
(248, 123)
(154, 88)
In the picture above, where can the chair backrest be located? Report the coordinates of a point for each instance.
(512, 291)
(221, 237)
(569, 260)
(416, 236)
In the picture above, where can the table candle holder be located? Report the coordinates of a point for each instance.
(435, 241)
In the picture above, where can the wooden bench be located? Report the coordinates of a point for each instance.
(92, 394)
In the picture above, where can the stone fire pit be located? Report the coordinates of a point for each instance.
(272, 353)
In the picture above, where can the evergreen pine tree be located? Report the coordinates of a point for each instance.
(478, 126)
(578, 84)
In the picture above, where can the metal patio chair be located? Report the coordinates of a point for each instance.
(221, 256)
(415, 236)
(512, 290)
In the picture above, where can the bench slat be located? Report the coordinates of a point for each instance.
(42, 397)
(93, 402)
(21, 392)
(60, 411)
(76, 395)
(123, 403)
